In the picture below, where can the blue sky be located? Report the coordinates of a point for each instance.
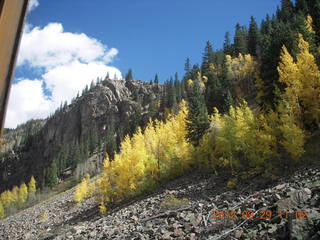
(153, 35)
(68, 43)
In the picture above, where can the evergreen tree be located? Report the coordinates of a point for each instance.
(110, 143)
(156, 79)
(301, 6)
(270, 52)
(93, 140)
(197, 119)
(240, 40)
(314, 8)
(52, 175)
(108, 76)
(129, 76)
(172, 99)
(227, 44)
(286, 10)
(253, 38)
(207, 59)
(187, 69)
(91, 84)
(178, 89)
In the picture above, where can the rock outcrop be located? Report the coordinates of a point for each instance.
(111, 102)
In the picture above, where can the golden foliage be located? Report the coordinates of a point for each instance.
(81, 190)
(293, 137)
(23, 194)
(241, 67)
(190, 82)
(102, 209)
(309, 24)
(159, 153)
(2, 213)
(302, 79)
(242, 132)
(32, 185)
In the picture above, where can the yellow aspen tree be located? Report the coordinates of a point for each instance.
(32, 185)
(106, 192)
(2, 212)
(81, 190)
(7, 198)
(293, 137)
(151, 144)
(288, 74)
(309, 76)
(15, 194)
(23, 194)
(309, 24)
(226, 140)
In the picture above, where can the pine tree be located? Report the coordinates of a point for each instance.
(197, 119)
(187, 70)
(52, 175)
(253, 38)
(314, 10)
(227, 44)
(240, 40)
(177, 86)
(207, 59)
(156, 79)
(172, 99)
(110, 143)
(286, 10)
(301, 5)
(129, 75)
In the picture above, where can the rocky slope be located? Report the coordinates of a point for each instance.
(111, 102)
(184, 209)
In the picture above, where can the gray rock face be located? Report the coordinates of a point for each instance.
(110, 102)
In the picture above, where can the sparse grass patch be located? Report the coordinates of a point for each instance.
(43, 217)
(174, 203)
(232, 183)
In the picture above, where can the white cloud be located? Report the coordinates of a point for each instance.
(27, 101)
(32, 5)
(51, 46)
(70, 61)
(67, 80)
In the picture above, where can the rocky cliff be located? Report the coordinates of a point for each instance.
(111, 103)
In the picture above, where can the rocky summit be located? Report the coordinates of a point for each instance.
(194, 206)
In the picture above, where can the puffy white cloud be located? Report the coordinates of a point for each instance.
(32, 5)
(69, 62)
(67, 80)
(51, 46)
(27, 101)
